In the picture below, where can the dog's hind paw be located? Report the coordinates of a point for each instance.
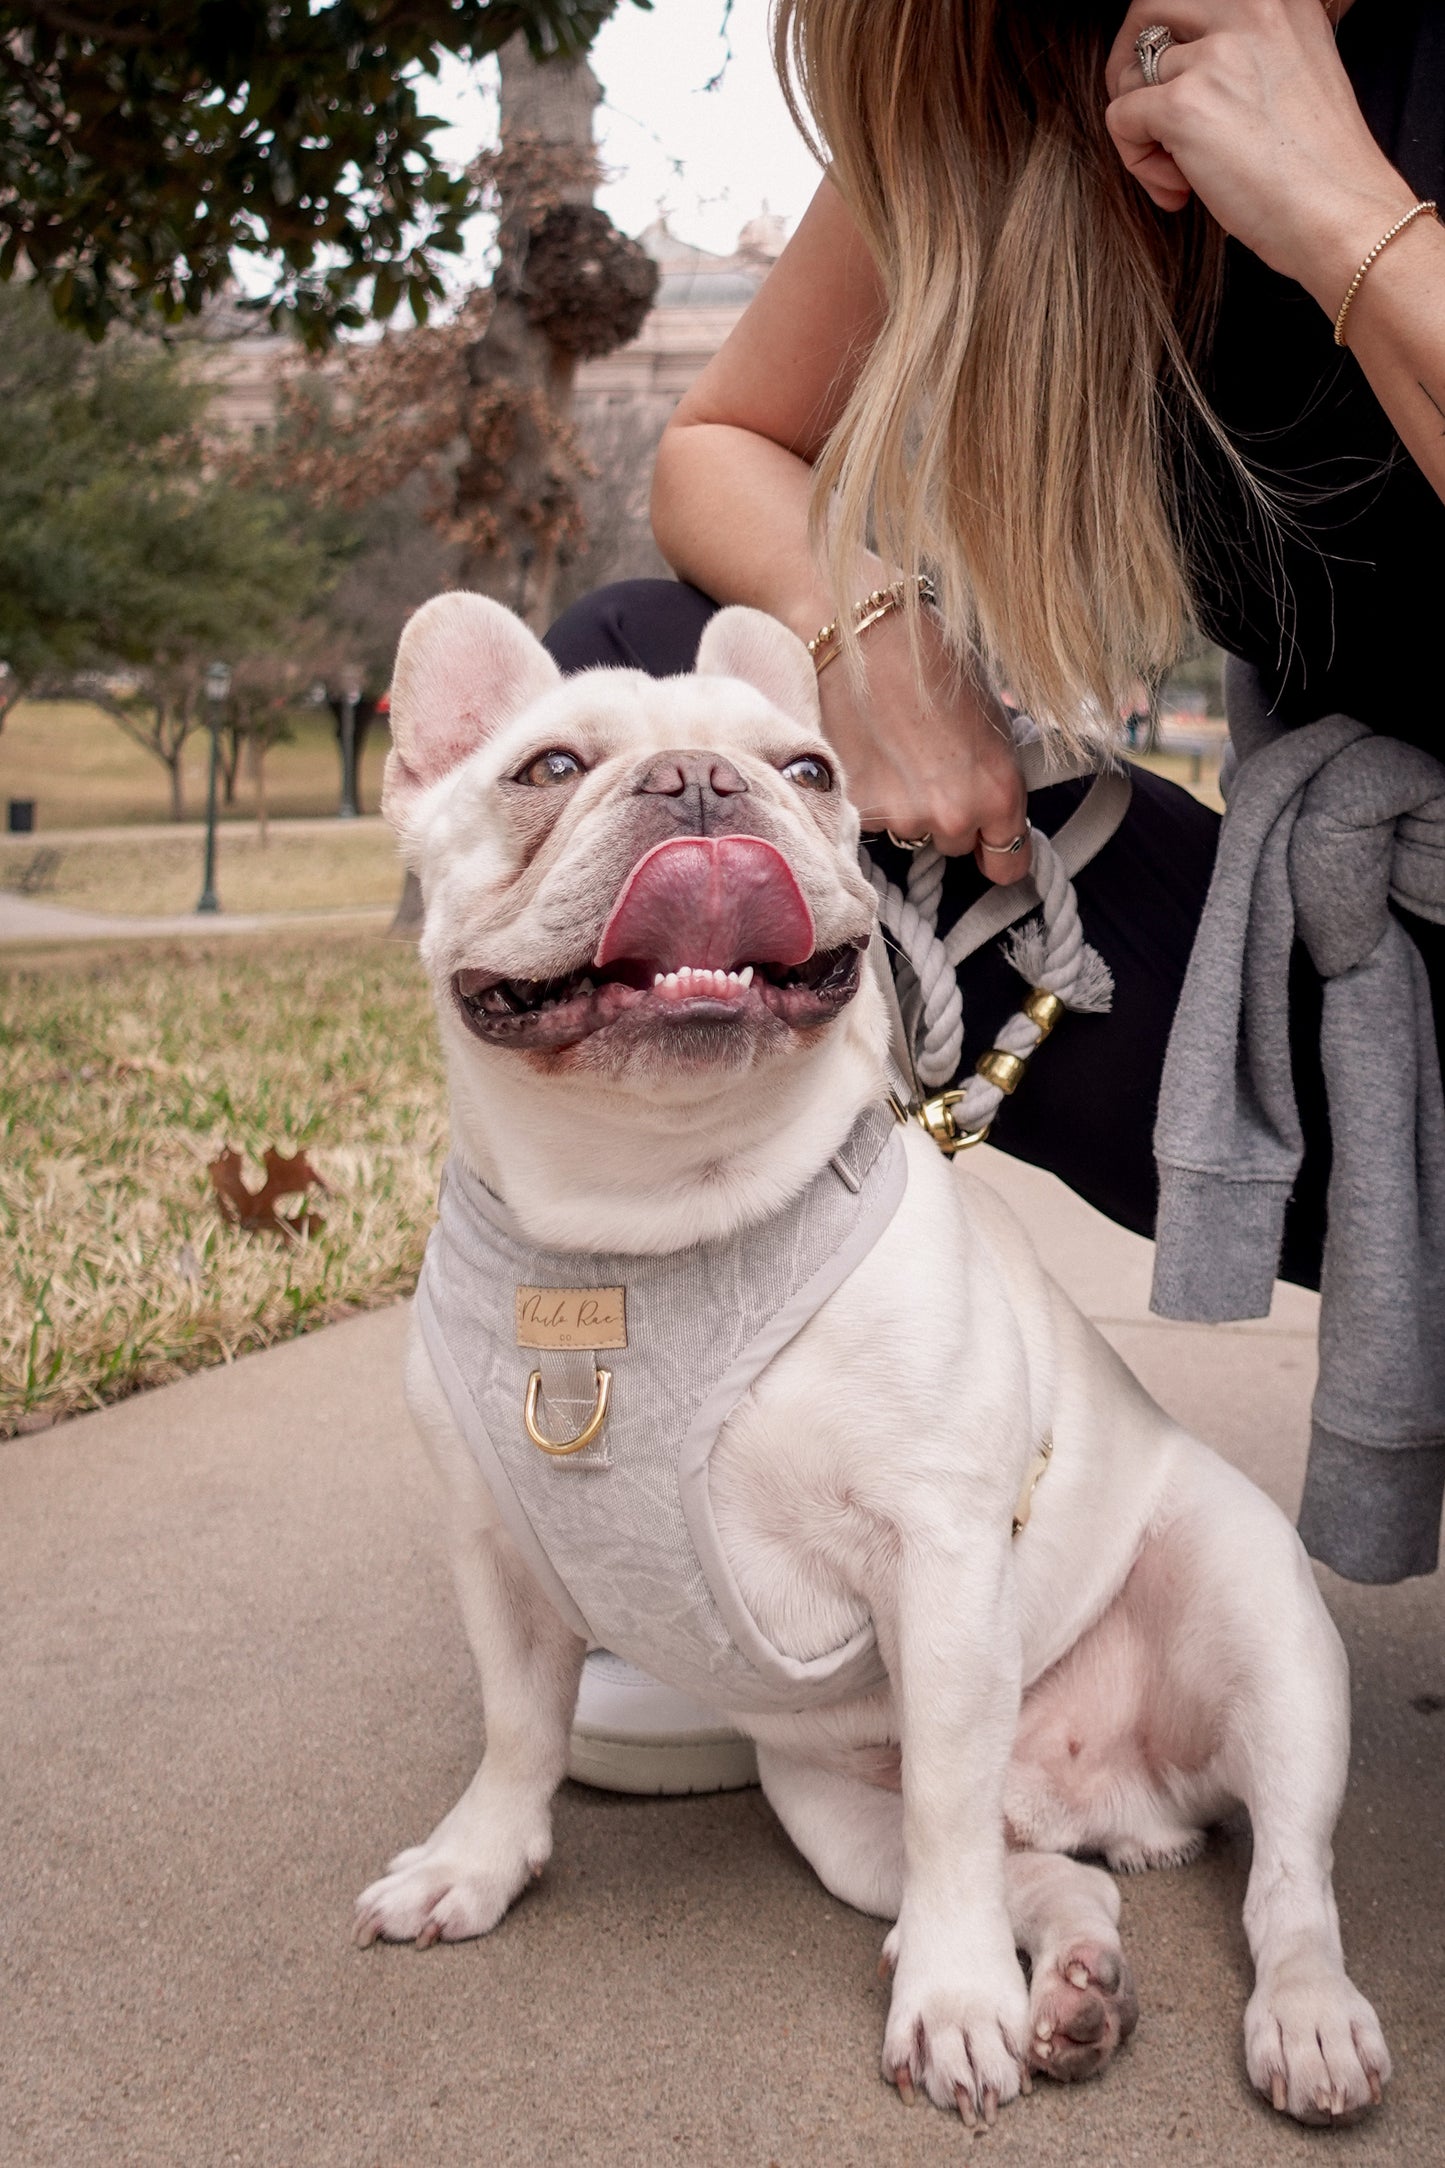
(1314, 2047)
(1082, 2006)
(1161, 1848)
(438, 1892)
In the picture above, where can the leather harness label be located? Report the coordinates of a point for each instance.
(571, 1317)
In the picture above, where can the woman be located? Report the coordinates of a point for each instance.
(1060, 326)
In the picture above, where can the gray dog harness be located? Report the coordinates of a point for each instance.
(592, 1390)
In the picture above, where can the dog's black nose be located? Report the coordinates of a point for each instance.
(675, 775)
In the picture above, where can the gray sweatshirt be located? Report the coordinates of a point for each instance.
(1326, 826)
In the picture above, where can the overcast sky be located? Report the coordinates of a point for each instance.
(710, 157)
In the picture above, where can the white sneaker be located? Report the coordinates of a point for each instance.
(632, 1734)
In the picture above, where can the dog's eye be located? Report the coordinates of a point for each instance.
(809, 773)
(554, 766)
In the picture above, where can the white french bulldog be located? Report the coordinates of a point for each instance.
(644, 926)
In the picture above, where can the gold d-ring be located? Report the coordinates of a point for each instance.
(560, 1449)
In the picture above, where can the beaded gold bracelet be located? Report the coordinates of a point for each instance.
(1379, 248)
(826, 644)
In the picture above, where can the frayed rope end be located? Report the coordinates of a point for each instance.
(1087, 985)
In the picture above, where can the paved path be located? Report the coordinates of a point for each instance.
(24, 922)
(300, 824)
(26, 919)
(234, 1678)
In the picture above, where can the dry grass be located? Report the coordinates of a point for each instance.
(1179, 768)
(84, 772)
(122, 1072)
(350, 863)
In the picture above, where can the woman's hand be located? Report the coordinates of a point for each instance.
(1254, 114)
(936, 759)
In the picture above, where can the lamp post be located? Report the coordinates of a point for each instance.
(348, 810)
(218, 686)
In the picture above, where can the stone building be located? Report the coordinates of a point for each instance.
(699, 299)
(623, 401)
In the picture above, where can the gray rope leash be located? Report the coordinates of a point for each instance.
(1049, 952)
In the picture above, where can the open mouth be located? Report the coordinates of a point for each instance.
(706, 932)
(558, 1012)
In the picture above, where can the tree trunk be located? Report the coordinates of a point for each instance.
(512, 468)
(173, 766)
(257, 743)
(230, 748)
(12, 691)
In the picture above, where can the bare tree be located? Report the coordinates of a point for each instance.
(159, 717)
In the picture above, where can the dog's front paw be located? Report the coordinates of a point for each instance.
(1314, 2045)
(955, 2032)
(456, 1885)
(1081, 2006)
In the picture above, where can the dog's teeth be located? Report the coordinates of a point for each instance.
(671, 979)
(585, 985)
(660, 979)
(745, 976)
(684, 971)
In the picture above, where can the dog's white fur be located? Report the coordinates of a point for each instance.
(1151, 1652)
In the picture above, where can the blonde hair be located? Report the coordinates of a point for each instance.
(1015, 427)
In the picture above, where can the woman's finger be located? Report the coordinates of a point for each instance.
(1133, 121)
(1169, 63)
(1184, 19)
(1005, 859)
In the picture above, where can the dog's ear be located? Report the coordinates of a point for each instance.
(464, 667)
(750, 645)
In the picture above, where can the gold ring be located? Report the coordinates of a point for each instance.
(560, 1449)
(910, 843)
(1152, 43)
(1010, 849)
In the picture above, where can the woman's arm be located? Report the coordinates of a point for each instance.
(730, 511)
(1254, 113)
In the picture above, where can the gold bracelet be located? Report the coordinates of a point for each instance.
(826, 644)
(1379, 248)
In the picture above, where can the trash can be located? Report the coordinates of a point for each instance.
(20, 817)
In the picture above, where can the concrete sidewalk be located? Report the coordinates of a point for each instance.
(234, 1680)
(24, 922)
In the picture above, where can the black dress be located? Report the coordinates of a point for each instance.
(1340, 613)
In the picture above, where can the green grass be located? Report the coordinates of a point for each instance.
(84, 772)
(123, 1071)
(348, 864)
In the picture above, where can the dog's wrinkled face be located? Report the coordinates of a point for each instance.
(624, 876)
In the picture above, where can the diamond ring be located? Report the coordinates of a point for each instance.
(1151, 45)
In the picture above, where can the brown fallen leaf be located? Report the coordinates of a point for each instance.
(256, 1210)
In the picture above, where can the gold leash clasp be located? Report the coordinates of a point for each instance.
(560, 1448)
(936, 1116)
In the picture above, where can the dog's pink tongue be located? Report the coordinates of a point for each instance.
(715, 901)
